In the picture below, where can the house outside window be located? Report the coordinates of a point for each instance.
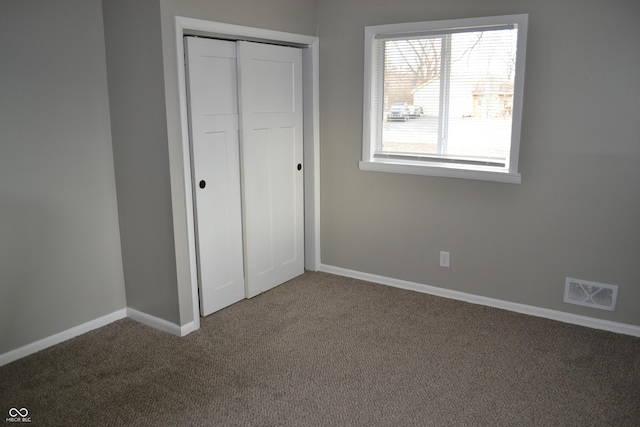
(444, 98)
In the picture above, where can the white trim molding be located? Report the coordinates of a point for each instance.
(590, 322)
(145, 319)
(161, 324)
(61, 336)
(310, 64)
(464, 164)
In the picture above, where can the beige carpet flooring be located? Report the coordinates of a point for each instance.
(324, 350)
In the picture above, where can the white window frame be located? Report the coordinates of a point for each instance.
(372, 117)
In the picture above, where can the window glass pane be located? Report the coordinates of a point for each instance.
(411, 96)
(449, 96)
(481, 94)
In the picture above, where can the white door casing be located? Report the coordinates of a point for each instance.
(212, 81)
(184, 223)
(271, 117)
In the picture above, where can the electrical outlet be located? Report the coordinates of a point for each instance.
(444, 259)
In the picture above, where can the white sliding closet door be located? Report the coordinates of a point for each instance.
(248, 191)
(270, 82)
(215, 152)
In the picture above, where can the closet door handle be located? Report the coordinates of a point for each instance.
(202, 184)
(299, 166)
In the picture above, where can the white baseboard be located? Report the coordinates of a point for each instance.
(161, 324)
(172, 328)
(188, 328)
(606, 325)
(134, 314)
(60, 337)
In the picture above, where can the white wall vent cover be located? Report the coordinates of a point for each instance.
(590, 294)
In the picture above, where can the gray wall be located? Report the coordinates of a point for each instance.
(293, 16)
(136, 95)
(60, 260)
(577, 211)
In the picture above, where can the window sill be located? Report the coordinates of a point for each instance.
(441, 170)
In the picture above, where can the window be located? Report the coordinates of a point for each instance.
(444, 98)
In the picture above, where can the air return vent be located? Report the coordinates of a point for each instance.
(590, 294)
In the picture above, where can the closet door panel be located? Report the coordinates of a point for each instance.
(212, 81)
(270, 82)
